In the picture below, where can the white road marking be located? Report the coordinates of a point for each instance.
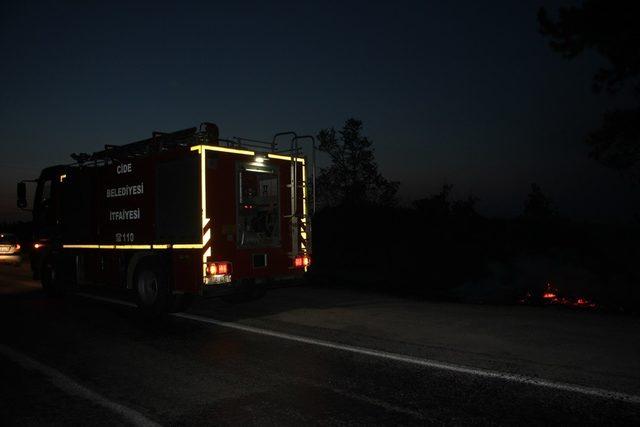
(419, 361)
(434, 364)
(70, 386)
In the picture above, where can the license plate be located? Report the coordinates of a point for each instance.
(4, 248)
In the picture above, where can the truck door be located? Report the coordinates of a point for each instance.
(46, 207)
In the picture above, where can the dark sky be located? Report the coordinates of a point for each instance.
(460, 92)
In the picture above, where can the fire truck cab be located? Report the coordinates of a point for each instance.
(179, 214)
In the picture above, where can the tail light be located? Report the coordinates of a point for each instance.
(18, 247)
(37, 245)
(302, 261)
(218, 272)
(218, 268)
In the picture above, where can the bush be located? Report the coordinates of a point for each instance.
(437, 253)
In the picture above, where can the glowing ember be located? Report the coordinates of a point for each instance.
(582, 302)
(550, 292)
(552, 296)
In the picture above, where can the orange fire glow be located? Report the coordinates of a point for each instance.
(552, 296)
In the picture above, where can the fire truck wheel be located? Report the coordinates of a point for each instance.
(151, 287)
(50, 278)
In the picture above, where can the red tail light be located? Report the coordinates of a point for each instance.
(223, 268)
(18, 247)
(302, 261)
(218, 267)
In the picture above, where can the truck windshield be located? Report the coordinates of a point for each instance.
(258, 207)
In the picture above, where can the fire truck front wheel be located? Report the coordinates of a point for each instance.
(152, 288)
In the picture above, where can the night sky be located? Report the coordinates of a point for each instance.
(466, 93)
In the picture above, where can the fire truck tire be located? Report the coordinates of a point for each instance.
(51, 278)
(152, 288)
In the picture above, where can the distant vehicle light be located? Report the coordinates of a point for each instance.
(37, 245)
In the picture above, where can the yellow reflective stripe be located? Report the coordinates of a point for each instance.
(206, 235)
(288, 158)
(304, 194)
(187, 246)
(160, 246)
(199, 148)
(303, 233)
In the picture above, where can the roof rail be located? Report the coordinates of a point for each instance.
(206, 133)
(158, 142)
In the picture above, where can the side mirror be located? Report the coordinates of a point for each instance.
(22, 195)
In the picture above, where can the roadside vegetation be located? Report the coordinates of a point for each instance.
(442, 248)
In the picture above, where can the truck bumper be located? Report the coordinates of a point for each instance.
(218, 290)
(248, 285)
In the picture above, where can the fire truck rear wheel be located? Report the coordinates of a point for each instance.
(152, 288)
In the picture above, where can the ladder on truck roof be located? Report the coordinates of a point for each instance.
(159, 141)
(300, 222)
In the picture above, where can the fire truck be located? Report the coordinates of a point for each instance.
(176, 215)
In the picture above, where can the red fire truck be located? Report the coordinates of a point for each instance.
(179, 214)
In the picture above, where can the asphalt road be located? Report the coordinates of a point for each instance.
(307, 356)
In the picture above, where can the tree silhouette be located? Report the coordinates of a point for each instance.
(465, 208)
(440, 205)
(610, 28)
(353, 177)
(538, 206)
(617, 143)
(437, 205)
